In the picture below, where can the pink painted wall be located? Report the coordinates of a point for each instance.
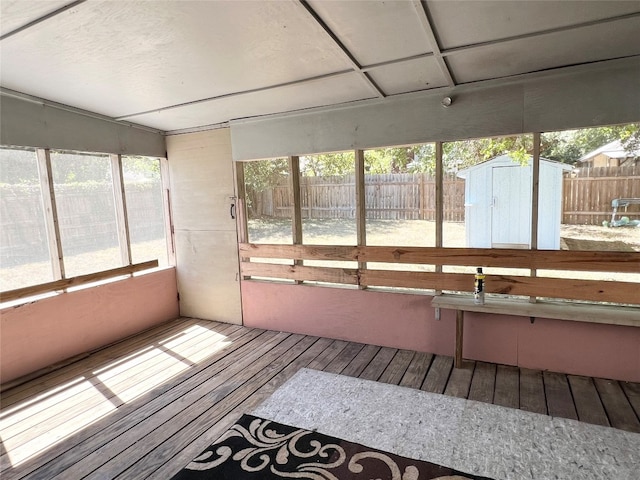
(408, 321)
(39, 334)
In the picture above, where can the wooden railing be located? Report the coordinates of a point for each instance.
(65, 283)
(531, 286)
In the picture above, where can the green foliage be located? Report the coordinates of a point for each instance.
(326, 164)
(261, 175)
(568, 146)
(460, 155)
(140, 168)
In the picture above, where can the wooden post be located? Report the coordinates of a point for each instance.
(361, 210)
(120, 201)
(51, 213)
(296, 221)
(439, 210)
(168, 217)
(242, 228)
(439, 196)
(241, 211)
(535, 194)
(459, 338)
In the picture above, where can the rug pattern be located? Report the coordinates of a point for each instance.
(255, 448)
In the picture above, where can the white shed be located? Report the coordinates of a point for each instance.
(498, 196)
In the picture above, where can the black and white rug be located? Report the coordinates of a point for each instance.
(255, 448)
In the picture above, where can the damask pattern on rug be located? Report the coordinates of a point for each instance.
(255, 448)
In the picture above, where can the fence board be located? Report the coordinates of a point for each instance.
(587, 196)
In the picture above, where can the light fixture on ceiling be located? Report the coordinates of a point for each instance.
(447, 101)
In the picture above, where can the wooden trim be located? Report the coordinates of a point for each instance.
(605, 314)
(47, 191)
(296, 224)
(300, 273)
(299, 252)
(622, 262)
(168, 218)
(241, 196)
(535, 197)
(361, 208)
(532, 286)
(439, 194)
(120, 201)
(591, 261)
(459, 338)
(296, 221)
(535, 191)
(75, 281)
(439, 203)
(572, 289)
(590, 290)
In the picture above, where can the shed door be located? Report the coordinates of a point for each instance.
(511, 207)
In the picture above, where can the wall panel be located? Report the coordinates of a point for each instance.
(588, 95)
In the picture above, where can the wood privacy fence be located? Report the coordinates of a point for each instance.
(391, 196)
(587, 196)
(588, 192)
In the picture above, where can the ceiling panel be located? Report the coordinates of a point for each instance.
(376, 31)
(328, 91)
(458, 23)
(18, 13)
(409, 76)
(118, 58)
(584, 45)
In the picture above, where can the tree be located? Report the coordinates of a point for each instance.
(341, 163)
(261, 175)
(568, 146)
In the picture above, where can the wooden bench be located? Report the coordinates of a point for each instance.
(606, 314)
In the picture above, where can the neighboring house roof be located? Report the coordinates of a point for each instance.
(613, 149)
(506, 160)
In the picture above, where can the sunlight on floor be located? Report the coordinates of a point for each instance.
(35, 419)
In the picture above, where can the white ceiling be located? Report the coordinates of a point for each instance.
(175, 65)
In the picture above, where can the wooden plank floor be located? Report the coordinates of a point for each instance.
(146, 406)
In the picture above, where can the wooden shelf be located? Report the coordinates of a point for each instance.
(590, 313)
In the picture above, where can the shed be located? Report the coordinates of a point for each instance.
(498, 196)
(613, 154)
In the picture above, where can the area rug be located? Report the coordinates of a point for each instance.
(255, 448)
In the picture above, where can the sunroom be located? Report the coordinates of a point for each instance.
(366, 220)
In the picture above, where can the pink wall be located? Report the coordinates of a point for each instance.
(39, 334)
(407, 321)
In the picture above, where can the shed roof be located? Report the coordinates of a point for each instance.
(507, 160)
(613, 149)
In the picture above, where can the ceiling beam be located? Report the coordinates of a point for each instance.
(42, 19)
(423, 17)
(373, 66)
(344, 50)
(236, 94)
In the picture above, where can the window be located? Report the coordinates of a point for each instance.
(269, 201)
(24, 244)
(145, 209)
(400, 200)
(86, 212)
(328, 198)
(600, 203)
(72, 203)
